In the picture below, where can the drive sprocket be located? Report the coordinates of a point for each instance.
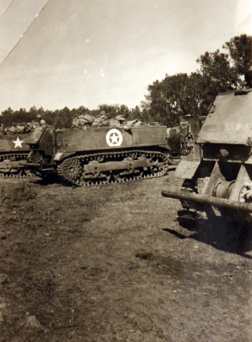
(71, 169)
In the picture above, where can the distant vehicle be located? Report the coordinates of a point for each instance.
(216, 161)
(100, 155)
(14, 151)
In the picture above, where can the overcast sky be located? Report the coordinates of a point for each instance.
(59, 53)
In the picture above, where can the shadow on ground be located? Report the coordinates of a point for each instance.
(51, 179)
(233, 237)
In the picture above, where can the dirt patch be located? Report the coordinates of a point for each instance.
(112, 263)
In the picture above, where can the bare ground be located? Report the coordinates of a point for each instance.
(112, 264)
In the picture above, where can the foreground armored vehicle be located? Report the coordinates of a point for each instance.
(100, 155)
(13, 154)
(217, 162)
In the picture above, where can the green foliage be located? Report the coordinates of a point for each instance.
(240, 51)
(113, 110)
(9, 116)
(167, 99)
(183, 94)
(63, 118)
(215, 67)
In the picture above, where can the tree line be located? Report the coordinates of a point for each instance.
(171, 98)
(63, 118)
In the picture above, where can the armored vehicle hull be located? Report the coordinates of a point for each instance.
(217, 168)
(13, 155)
(100, 155)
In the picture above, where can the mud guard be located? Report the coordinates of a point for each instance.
(62, 155)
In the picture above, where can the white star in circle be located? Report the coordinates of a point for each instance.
(18, 142)
(114, 138)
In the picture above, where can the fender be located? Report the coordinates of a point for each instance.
(62, 155)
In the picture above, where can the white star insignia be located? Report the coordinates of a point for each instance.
(18, 142)
(114, 138)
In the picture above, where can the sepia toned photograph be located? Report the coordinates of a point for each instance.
(125, 171)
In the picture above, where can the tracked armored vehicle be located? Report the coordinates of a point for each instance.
(14, 151)
(216, 166)
(100, 155)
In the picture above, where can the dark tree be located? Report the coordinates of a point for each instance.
(183, 94)
(216, 69)
(167, 100)
(63, 118)
(240, 51)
